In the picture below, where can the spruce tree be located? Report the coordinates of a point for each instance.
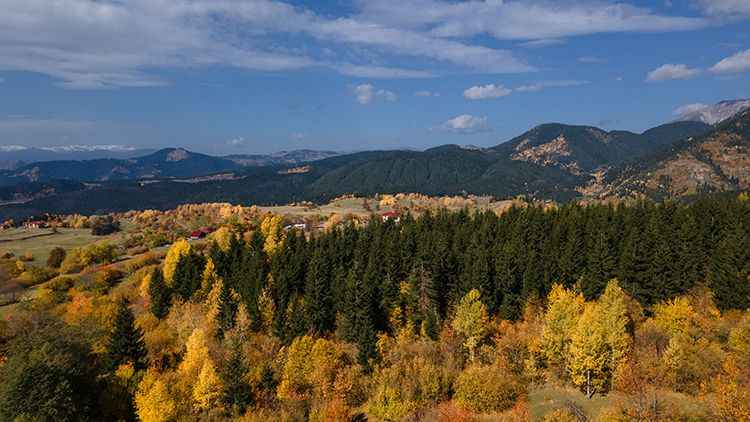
(236, 391)
(125, 343)
(599, 268)
(227, 311)
(729, 273)
(160, 295)
(318, 300)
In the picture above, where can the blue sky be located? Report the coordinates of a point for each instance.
(245, 76)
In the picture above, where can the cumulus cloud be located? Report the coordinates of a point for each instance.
(466, 124)
(426, 93)
(672, 71)
(366, 93)
(483, 92)
(386, 95)
(736, 63)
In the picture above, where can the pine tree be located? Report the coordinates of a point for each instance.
(729, 272)
(236, 390)
(599, 268)
(318, 300)
(160, 295)
(227, 310)
(125, 343)
(360, 317)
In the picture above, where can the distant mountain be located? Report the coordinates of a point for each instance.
(165, 163)
(713, 114)
(14, 156)
(715, 162)
(551, 161)
(582, 149)
(281, 158)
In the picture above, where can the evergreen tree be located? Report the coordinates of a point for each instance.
(320, 310)
(236, 391)
(227, 310)
(599, 268)
(729, 272)
(125, 343)
(160, 294)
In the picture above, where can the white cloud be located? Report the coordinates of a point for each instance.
(736, 63)
(690, 108)
(672, 71)
(497, 91)
(386, 95)
(237, 142)
(523, 20)
(466, 124)
(591, 60)
(538, 86)
(366, 93)
(426, 93)
(484, 92)
(86, 44)
(725, 7)
(549, 42)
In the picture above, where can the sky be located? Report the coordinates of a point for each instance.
(260, 76)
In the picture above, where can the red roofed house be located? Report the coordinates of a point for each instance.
(200, 233)
(394, 216)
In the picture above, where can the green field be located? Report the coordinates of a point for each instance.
(40, 241)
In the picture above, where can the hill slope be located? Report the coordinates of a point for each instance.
(717, 161)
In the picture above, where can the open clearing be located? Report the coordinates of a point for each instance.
(40, 241)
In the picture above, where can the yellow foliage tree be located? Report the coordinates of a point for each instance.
(273, 231)
(208, 388)
(179, 249)
(195, 355)
(295, 376)
(222, 237)
(676, 317)
(564, 308)
(600, 342)
(471, 321)
(153, 400)
(208, 279)
(739, 340)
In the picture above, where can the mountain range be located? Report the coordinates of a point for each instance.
(551, 161)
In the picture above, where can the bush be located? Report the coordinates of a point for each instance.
(36, 275)
(72, 262)
(107, 278)
(104, 226)
(56, 257)
(27, 256)
(487, 389)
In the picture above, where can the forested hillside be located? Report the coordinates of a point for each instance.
(446, 316)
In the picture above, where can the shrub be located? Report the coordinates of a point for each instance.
(27, 256)
(486, 389)
(107, 278)
(56, 257)
(36, 275)
(72, 262)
